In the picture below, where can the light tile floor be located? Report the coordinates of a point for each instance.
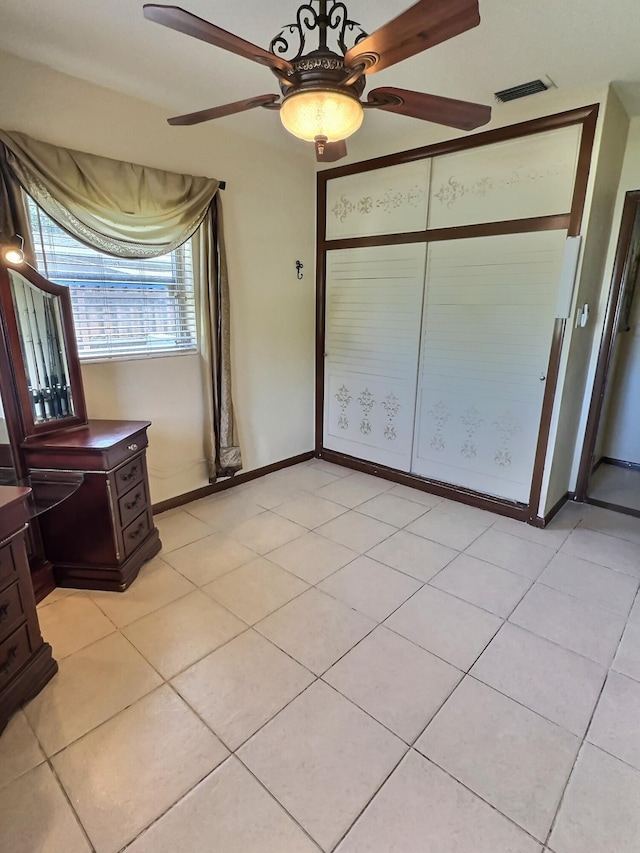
(321, 660)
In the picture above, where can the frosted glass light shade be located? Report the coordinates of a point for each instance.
(321, 113)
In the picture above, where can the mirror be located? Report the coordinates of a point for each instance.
(38, 329)
(8, 474)
(43, 349)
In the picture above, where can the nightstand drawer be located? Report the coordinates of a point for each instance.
(7, 563)
(132, 503)
(136, 533)
(11, 610)
(14, 653)
(130, 474)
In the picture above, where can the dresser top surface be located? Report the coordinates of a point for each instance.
(12, 494)
(93, 435)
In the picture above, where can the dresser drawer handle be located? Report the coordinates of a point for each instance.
(132, 447)
(11, 656)
(130, 475)
(135, 502)
(4, 612)
(135, 533)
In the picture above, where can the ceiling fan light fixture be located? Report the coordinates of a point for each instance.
(321, 112)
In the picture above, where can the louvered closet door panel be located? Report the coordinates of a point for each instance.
(373, 310)
(488, 322)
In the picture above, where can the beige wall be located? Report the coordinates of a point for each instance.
(619, 433)
(620, 423)
(269, 224)
(576, 379)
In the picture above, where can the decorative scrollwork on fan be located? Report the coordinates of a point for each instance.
(334, 22)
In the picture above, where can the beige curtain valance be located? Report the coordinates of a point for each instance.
(124, 209)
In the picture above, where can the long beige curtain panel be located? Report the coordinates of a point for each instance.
(134, 211)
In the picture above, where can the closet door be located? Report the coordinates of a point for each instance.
(373, 310)
(489, 311)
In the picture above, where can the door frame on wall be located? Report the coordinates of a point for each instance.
(587, 117)
(630, 210)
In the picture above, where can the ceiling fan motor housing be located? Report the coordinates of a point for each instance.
(320, 69)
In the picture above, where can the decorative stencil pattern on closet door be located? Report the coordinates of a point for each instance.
(521, 178)
(382, 201)
(373, 308)
(488, 322)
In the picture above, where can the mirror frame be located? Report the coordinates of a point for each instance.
(10, 326)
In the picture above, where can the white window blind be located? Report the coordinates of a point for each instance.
(121, 307)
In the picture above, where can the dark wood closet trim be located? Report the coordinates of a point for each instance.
(629, 210)
(548, 402)
(539, 521)
(586, 116)
(582, 171)
(236, 480)
(580, 115)
(554, 222)
(478, 500)
(320, 312)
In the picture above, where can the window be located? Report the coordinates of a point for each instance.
(121, 307)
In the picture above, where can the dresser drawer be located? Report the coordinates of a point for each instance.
(14, 653)
(130, 474)
(11, 609)
(7, 563)
(132, 503)
(136, 533)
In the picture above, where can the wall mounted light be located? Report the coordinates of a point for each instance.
(13, 250)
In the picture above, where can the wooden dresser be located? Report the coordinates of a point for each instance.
(100, 536)
(26, 664)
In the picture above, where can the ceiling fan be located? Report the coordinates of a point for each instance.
(321, 88)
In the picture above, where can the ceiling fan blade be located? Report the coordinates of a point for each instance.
(226, 110)
(422, 26)
(464, 115)
(184, 22)
(329, 152)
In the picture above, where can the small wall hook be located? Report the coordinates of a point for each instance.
(299, 268)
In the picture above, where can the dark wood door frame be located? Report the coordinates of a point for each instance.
(607, 343)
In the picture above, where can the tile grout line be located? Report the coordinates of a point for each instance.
(573, 767)
(175, 803)
(261, 726)
(276, 800)
(480, 797)
(368, 802)
(232, 753)
(73, 809)
(584, 739)
(49, 762)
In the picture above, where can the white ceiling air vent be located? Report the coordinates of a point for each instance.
(524, 89)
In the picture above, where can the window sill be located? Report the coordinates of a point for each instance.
(103, 359)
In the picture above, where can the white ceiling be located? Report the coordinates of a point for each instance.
(577, 43)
